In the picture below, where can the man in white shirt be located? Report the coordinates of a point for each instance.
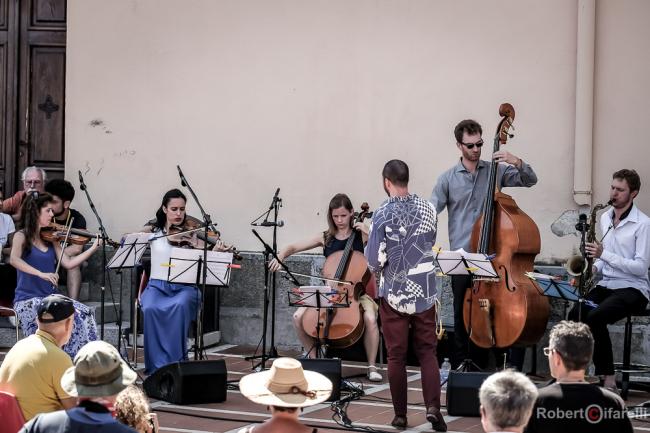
(622, 257)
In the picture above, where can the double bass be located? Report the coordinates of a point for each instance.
(507, 310)
(342, 327)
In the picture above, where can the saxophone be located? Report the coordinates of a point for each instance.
(580, 265)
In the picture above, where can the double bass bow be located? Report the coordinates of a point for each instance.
(342, 327)
(507, 310)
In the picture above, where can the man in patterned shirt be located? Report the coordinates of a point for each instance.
(400, 243)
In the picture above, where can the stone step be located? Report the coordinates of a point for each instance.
(110, 313)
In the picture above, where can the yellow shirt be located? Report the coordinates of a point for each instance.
(32, 372)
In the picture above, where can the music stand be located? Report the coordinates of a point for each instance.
(185, 266)
(128, 255)
(199, 267)
(318, 297)
(476, 265)
(553, 287)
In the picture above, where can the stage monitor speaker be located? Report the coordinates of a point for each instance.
(330, 368)
(189, 382)
(462, 393)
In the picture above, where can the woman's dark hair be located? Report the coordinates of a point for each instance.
(339, 200)
(31, 211)
(161, 218)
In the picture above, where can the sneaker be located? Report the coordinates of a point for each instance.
(399, 422)
(436, 419)
(373, 374)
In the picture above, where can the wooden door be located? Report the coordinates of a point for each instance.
(34, 88)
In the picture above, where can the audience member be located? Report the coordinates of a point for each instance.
(98, 375)
(132, 409)
(33, 181)
(572, 404)
(507, 399)
(33, 367)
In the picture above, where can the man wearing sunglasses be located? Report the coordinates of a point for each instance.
(462, 190)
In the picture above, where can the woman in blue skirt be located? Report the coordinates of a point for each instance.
(168, 308)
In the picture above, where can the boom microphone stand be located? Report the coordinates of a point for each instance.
(208, 224)
(276, 202)
(105, 238)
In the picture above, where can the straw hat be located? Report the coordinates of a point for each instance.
(286, 384)
(98, 371)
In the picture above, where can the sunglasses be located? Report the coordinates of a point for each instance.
(470, 146)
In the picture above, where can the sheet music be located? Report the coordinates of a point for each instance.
(131, 250)
(307, 296)
(184, 267)
(451, 263)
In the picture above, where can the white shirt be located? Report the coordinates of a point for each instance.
(7, 227)
(161, 251)
(626, 252)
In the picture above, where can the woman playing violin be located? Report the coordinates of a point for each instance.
(340, 217)
(35, 261)
(168, 308)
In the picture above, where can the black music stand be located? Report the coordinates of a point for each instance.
(553, 287)
(318, 297)
(128, 255)
(476, 265)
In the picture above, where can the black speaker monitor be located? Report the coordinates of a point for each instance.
(462, 393)
(189, 382)
(330, 368)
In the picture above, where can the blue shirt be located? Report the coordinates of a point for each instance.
(463, 194)
(30, 286)
(402, 234)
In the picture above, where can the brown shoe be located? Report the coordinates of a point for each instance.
(436, 419)
(399, 422)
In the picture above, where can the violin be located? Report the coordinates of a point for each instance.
(182, 236)
(57, 232)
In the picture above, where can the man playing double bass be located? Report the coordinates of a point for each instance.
(462, 190)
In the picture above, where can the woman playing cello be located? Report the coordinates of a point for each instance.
(340, 227)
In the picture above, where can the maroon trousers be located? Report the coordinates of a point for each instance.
(395, 327)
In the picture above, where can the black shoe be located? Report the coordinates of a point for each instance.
(436, 419)
(399, 422)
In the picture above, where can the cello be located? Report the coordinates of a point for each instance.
(507, 310)
(342, 327)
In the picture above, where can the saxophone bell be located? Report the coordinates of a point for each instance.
(576, 265)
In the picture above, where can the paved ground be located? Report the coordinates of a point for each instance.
(373, 410)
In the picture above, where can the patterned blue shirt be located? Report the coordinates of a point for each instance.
(402, 234)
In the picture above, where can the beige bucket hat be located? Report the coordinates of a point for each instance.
(98, 371)
(286, 384)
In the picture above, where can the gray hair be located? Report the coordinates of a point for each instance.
(508, 398)
(33, 167)
(574, 343)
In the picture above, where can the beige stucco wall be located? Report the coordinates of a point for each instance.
(315, 96)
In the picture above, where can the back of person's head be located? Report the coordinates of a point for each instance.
(397, 172)
(573, 342)
(55, 315)
(507, 400)
(132, 408)
(60, 188)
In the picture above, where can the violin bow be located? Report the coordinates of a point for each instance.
(63, 245)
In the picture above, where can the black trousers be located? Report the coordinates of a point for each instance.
(613, 305)
(463, 347)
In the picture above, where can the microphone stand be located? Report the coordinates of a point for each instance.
(269, 251)
(105, 238)
(208, 224)
(583, 227)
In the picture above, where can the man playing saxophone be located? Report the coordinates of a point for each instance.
(622, 257)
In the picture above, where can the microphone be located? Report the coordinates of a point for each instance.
(271, 224)
(82, 185)
(275, 198)
(180, 173)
